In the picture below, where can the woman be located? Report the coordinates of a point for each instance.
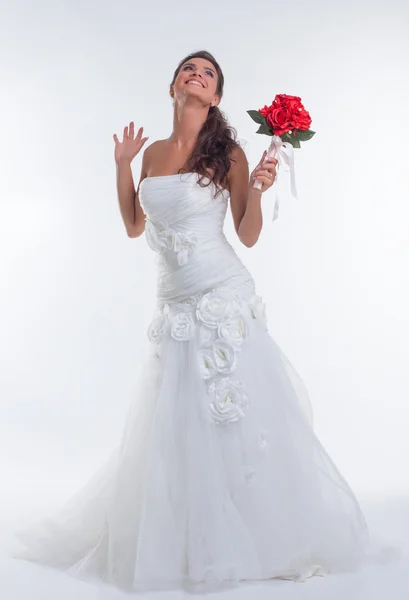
(219, 477)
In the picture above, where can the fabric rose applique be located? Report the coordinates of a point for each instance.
(229, 400)
(220, 322)
(258, 309)
(182, 326)
(161, 238)
(222, 331)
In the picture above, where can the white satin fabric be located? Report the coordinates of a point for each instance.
(219, 476)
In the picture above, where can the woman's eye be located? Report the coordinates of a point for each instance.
(190, 67)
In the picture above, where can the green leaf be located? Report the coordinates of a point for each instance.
(304, 135)
(264, 129)
(257, 117)
(290, 138)
(286, 137)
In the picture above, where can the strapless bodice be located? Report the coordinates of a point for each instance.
(184, 225)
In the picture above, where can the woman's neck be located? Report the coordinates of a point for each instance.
(187, 123)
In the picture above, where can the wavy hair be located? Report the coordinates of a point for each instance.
(216, 138)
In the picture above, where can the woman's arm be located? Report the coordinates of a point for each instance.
(245, 200)
(128, 198)
(129, 205)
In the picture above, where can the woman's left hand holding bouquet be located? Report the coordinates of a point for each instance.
(265, 172)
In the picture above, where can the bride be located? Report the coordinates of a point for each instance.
(219, 476)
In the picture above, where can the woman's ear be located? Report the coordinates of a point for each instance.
(216, 101)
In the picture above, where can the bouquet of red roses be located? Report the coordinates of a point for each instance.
(288, 122)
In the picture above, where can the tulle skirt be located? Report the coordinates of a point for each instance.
(219, 476)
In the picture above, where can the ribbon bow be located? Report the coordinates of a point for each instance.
(284, 153)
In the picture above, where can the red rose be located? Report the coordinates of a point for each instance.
(302, 119)
(292, 101)
(279, 119)
(264, 111)
(286, 113)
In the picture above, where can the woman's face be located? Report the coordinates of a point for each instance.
(202, 72)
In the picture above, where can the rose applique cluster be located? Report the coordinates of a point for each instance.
(219, 319)
(161, 238)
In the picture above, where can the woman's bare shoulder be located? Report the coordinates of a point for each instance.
(154, 147)
(154, 150)
(149, 156)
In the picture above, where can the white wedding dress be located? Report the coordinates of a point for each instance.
(219, 476)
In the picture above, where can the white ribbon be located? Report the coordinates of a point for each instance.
(284, 153)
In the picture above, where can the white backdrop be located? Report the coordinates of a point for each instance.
(77, 294)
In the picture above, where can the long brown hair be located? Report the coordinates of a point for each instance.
(216, 138)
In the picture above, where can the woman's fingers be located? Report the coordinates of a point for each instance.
(139, 134)
(270, 164)
(265, 173)
(129, 132)
(265, 163)
(266, 176)
(263, 157)
(269, 161)
(132, 132)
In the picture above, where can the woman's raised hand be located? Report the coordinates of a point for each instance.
(130, 146)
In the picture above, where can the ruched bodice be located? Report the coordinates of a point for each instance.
(184, 224)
